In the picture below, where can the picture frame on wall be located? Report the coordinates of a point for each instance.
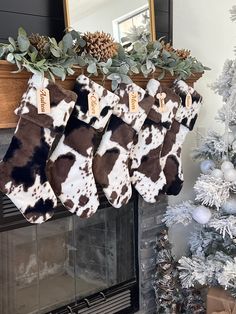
(161, 18)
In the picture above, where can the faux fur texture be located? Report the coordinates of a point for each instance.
(171, 152)
(147, 175)
(70, 165)
(111, 168)
(22, 171)
(107, 101)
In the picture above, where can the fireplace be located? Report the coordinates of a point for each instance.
(104, 264)
(71, 261)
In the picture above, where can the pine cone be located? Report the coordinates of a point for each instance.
(183, 53)
(167, 46)
(41, 43)
(100, 45)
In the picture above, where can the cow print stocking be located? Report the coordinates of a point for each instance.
(22, 170)
(147, 175)
(70, 165)
(171, 152)
(110, 165)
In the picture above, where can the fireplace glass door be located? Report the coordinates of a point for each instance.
(45, 267)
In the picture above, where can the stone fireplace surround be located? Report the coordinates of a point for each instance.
(20, 243)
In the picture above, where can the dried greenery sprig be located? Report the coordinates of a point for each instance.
(42, 54)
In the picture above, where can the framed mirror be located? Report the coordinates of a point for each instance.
(124, 20)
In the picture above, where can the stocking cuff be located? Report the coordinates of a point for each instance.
(121, 110)
(187, 116)
(107, 100)
(172, 102)
(61, 104)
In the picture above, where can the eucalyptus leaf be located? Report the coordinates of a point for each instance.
(81, 42)
(56, 53)
(10, 57)
(138, 46)
(121, 52)
(149, 64)
(70, 71)
(67, 42)
(51, 76)
(11, 48)
(60, 72)
(18, 57)
(60, 45)
(33, 56)
(114, 76)
(125, 79)
(114, 84)
(74, 34)
(31, 69)
(124, 69)
(142, 56)
(144, 69)
(134, 69)
(2, 52)
(41, 62)
(105, 70)
(172, 72)
(22, 32)
(80, 61)
(166, 54)
(162, 75)
(23, 43)
(53, 41)
(12, 42)
(92, 68)
(157, 45)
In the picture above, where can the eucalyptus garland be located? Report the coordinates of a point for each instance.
(60, 58)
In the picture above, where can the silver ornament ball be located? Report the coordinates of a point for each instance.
(229, 206)
(201, 214)
(230, 175)
(226, 165)
(207, 166)
(217, 173)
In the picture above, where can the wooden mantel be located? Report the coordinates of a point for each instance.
(13, 85)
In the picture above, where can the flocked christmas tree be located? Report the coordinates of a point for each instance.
(212, 258)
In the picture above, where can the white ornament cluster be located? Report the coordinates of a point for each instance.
(226, 172)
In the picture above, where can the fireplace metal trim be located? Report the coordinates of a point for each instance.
(120, 299)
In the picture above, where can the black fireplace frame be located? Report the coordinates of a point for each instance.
(127, 291)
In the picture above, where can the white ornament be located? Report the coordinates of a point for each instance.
(217, 173)
(226, 165)
(230, 175)
(234, 146)
(207, 166)
(233, 128)
(229, 137)
(229, 206)
(201, 214)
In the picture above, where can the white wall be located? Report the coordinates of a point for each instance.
(204, 27)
